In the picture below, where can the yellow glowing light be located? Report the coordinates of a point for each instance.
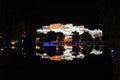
(56, 48)
(81, 47)
(12, 47)
(55, 58)
(37, 40)
(55, 26)
(37, 47)
(2, 49)
(65, 47)
(13, 42)
(67, 39)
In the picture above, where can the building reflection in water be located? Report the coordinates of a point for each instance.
(67, 52)
(58, 42)
(67, 42)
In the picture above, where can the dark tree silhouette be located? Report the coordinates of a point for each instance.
(60, 36)
(75, 36)
(86, 37)
(50, 36)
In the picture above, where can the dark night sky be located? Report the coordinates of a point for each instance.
(44, 12)
(82, 12)
(49, 11)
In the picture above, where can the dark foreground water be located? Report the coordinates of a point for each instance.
(16, 67)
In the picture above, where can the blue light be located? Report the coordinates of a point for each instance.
(49, 44)
(111, 52)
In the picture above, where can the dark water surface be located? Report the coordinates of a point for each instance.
(18, 67)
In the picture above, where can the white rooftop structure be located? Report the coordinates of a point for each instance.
(67, 29)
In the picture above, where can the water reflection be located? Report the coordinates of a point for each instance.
(66, 52)
(67, 42)
(53, 50)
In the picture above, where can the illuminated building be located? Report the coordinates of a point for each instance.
(67, 29)
(74, 44)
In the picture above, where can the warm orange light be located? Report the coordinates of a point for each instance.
(55, 58)
(37, 47)
(67, 39)
(1, 49)
(13, 42)
(37, 40)
(65, 47)
(13, 47)
(55, 26)
(56, 48)
(81, 47)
